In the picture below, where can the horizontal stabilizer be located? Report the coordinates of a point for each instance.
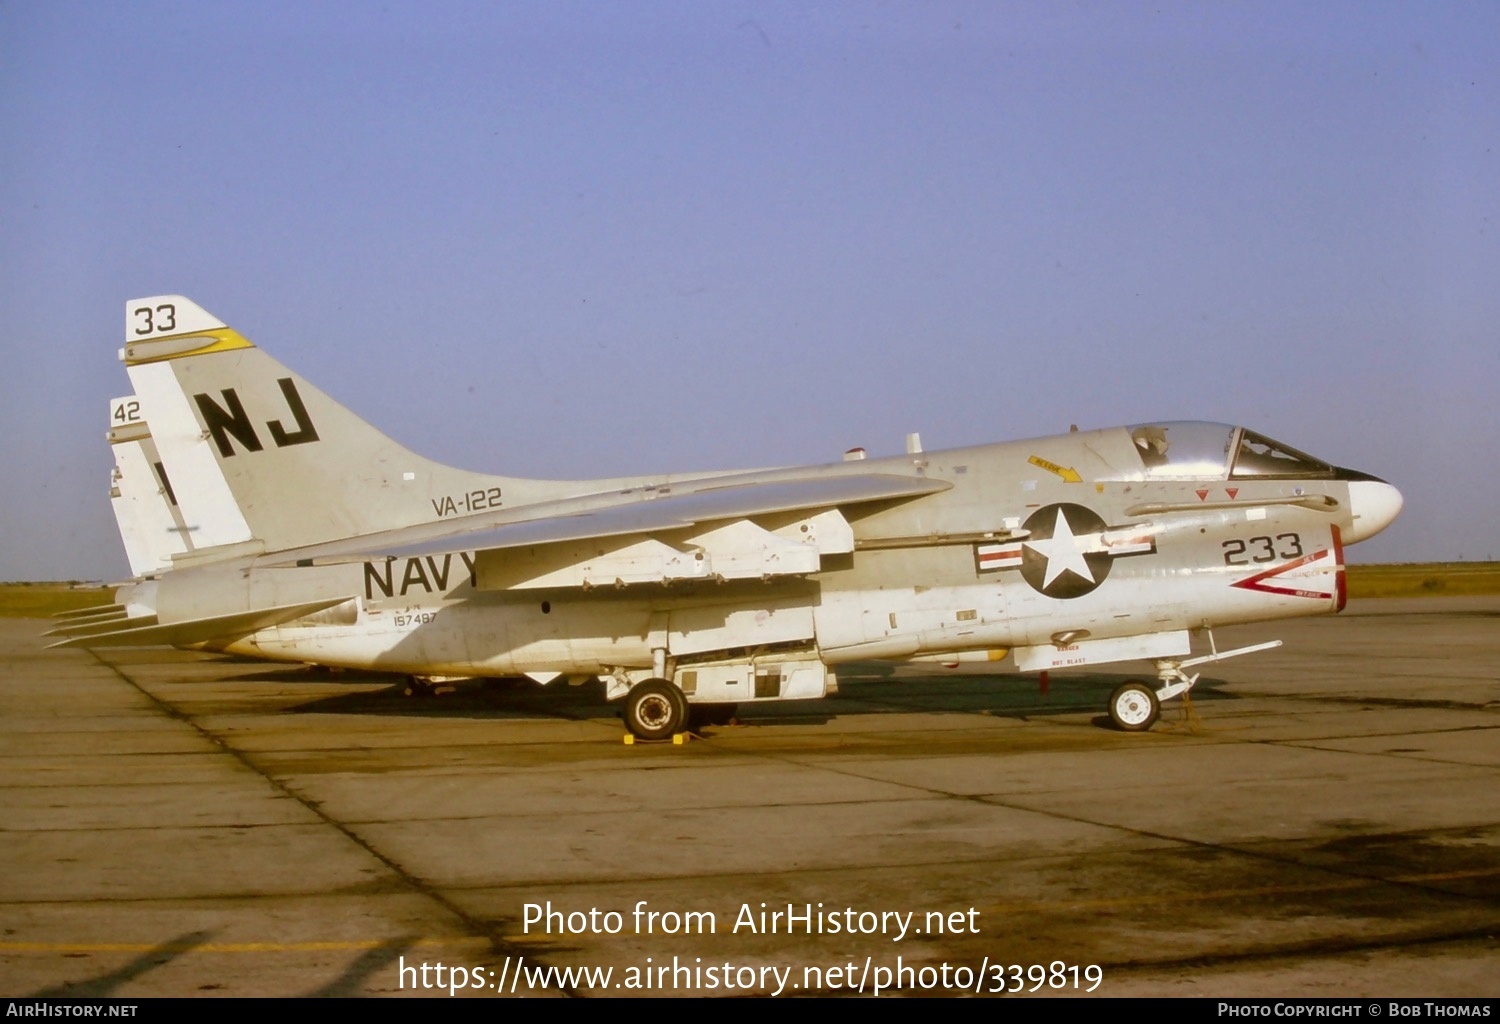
(91, 612)
(572, 519)
(95, 627)
(197, 631)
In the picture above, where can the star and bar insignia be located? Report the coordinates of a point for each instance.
(1068, 551)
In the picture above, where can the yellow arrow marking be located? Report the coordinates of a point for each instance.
(1067, 473)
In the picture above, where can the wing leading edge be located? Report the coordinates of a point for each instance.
(589, 519)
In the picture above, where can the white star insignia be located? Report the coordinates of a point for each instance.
(1063, 552)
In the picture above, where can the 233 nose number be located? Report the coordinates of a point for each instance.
(1259, 550)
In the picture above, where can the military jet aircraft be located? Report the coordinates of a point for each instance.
(151, 524)
(315, 538)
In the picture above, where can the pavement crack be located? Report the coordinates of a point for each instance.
(490, 931)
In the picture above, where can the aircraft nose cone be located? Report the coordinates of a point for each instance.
(1373, 505)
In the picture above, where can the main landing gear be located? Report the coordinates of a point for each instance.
(658, 710)
(430, 686)
(655, 710)
(1135, 705)
(419, 686)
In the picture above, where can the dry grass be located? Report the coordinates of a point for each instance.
(1430, 579)
(39, 600)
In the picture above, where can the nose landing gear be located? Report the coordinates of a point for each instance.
(1135, 706)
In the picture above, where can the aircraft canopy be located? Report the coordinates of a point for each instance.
(1193, 450)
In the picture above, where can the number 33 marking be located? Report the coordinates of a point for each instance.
(162, 318)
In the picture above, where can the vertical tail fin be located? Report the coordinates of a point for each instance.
(261, 460)
(151, 524)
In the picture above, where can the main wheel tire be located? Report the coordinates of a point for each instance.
(655, 709)
(712, 714)
(1133, 707)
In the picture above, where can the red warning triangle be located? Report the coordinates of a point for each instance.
(1267, 583)
(1231, 491)
(1202, 495)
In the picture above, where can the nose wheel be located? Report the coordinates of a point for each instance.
(1133, 707)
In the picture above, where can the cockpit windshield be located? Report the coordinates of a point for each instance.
(1259, 457)
(1193, 450)
(1184, 449)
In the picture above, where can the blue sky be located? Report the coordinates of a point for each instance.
(586, 239)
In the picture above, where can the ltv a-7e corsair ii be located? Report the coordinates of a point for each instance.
(304, 534)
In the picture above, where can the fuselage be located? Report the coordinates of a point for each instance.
(1083, 547)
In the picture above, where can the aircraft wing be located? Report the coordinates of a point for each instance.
(604, 516)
